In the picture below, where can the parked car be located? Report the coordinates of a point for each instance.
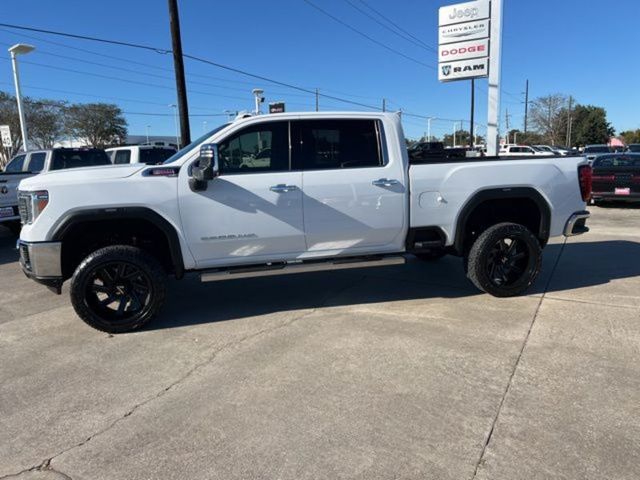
(434, 151)
(28, 164)
(634, 147)
(617, 177)
(523, 151)
(337, 191)
(147, 154)
(591, 152)
(547, 148)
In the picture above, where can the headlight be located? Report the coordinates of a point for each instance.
(31, 205)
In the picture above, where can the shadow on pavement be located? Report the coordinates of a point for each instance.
(8, 252)
(619, 205)
(191, 302)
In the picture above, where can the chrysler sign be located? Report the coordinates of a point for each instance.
(464, 12)
(463, 31)
(463, 50)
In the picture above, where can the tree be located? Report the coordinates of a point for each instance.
(529, 138)
(590, 125)
(547, 117)
(631, 136)
(99, 124)
(46, 122)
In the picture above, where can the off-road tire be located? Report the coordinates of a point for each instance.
(87, 280)
(482, 263)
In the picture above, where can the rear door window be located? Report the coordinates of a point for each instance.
(36, 162)
(16, 165)
(122, 156)
(336, 144)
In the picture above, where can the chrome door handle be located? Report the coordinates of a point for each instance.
(282, 188)
(385, 182)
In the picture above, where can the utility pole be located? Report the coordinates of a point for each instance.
(317, 100)
(526, 106)
(384, 104)
(473, 103)
(178, 65)
(569, 122)
(429, 128)
(506, 118)
(454, 135)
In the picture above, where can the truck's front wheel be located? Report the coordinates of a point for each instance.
(505, 260)
(118, 288)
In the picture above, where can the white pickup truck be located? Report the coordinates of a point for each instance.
(288, 193)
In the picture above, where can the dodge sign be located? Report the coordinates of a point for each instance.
(463, 50)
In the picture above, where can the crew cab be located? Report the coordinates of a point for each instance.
(147, 154)
(28, 164)
(289, 193)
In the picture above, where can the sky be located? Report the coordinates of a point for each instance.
(578, 48)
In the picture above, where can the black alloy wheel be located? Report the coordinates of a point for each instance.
(504, 260)
(118, 288)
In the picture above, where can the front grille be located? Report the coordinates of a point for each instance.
(24, 208)
(24, 256)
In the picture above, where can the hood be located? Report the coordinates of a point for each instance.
(80, 175)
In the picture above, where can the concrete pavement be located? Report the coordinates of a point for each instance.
(403, 372)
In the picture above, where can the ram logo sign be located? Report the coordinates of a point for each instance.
(464, 69)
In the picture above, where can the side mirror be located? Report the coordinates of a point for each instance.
(206, 168)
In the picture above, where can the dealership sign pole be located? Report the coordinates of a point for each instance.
(469, 47)
(495, 64)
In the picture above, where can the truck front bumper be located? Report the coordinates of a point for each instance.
(577, 224)
(42, 262)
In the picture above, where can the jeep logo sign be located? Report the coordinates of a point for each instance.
(463, 69)
(464, 12)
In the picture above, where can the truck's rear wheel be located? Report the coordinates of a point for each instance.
(118, 288)
(505, 260)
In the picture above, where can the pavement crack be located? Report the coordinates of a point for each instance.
(46, 465)
(487, 440)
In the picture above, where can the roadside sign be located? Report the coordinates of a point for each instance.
(463, 41)
(276, 107)
(463, 12)
(463, 31)
(5, 133)
(463, 50)
(463, 69)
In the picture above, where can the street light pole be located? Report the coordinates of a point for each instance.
(148, 134)
(429, 128)
(175, 117)
(20, 49)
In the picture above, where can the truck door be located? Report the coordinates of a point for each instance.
(251, 212)
(354, 196)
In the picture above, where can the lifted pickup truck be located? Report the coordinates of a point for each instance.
(288, 193)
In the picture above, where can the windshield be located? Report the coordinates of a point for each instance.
(64, 159)
(617, 161)
(193, 144)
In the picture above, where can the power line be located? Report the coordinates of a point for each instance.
(394, 31)
(398, 27)
(371, 39)
(194, 58)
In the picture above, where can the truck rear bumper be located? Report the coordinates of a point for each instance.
(42, 262)
(576, 225)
